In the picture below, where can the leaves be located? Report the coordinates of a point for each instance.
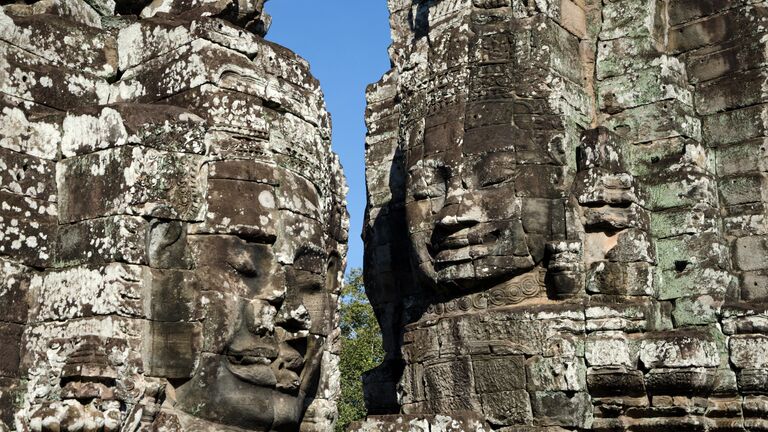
(361, 348)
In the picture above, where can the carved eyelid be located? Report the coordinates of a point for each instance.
(420, 188)
(245, 270)
(498, 177)
(246, 266)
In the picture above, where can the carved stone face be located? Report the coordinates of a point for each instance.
(465, 218)
(179, 277)
(266, 286)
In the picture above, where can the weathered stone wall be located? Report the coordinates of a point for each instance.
(172, 222)
(579, 186)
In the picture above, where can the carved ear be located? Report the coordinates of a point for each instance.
(333, 274)
(167, 245)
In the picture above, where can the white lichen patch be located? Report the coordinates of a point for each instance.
(81, 292)
(35, 138)
(86, 133)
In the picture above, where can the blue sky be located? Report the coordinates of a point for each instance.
(345, 41)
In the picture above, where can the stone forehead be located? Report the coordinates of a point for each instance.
(628, 138)
(134, 137)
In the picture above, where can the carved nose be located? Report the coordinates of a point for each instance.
(293, 318)
(460, 213)
(455, 220)
(260, 317)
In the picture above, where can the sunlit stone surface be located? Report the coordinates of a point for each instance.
(172, 222)
(566, 216)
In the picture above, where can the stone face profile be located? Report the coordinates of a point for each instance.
(566, 217)
(172, 222)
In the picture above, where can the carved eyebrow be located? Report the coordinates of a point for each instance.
(255, 235)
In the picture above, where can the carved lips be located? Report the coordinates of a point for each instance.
(265, 363)
(463, 245)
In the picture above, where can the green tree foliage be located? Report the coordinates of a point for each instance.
(361, 348)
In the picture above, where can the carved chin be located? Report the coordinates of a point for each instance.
(457, 270)
(218, 395)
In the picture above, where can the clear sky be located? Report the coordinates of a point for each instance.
(345, 42)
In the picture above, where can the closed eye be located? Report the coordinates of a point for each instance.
(497, 178)
(426, 192)
(243, 266)
(426, 183)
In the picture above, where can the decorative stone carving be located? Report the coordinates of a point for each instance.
(609, 150)
(172, 222)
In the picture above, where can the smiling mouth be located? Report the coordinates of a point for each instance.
(463, 246)
(454, 243)
(253, 370)
(267, 369)
(264, 373)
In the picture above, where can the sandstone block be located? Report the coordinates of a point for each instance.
(733, 127)
(753, 381)
(683, 190)
(751, 253)
(114, 289)
(740, 159)
(665, 80)
(611, 348)
(682, 11)
(32, 78)
(174, 296)
(14, 288)
(498, 374)
(172, 349)
(686, 381)
(701, 310)
(622, 56)
(723, 59)
(629, 314)
(668, 119)
(621, 381)
(229, 198)
(77, 11)
(744, 189)
(507, 408)
(681, 221)
(420, 423)
(454, 405)
(730, 92)
(629, 19)
(27, 175)
(102, 241)
(161, 127)
(749, 351)
(131, 180)
(630, 279)
(451, 378)
(59, 41)
(33, 133)
(556, 374)
(680, 348)
(754, 286)
(709, 280)
(10, 339)
(27, 229)
(561, 409)
(712, 30)
(10, 391)
(678, 253)
(144, 40)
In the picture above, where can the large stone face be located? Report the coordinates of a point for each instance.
(566, 219)
(172, 222)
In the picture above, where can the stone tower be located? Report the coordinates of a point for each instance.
(172, 222)
(579, 186)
